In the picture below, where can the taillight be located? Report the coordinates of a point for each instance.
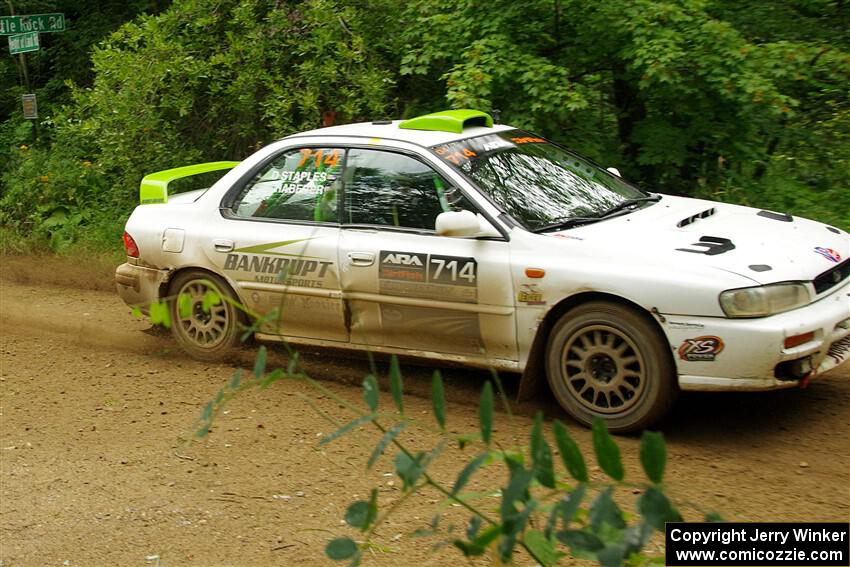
(130, 246)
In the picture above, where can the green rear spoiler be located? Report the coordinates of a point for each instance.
(154, 187)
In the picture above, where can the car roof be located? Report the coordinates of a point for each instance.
(389, 130)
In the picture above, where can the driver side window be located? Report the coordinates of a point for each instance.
(391, 189)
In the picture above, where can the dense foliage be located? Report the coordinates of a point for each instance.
(746, 103)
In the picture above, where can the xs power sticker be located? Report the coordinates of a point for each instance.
(701, 349)
(438, 330)
(428, 276)
(265, 263)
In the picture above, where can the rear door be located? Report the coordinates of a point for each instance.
(278, 241)
(407, 287)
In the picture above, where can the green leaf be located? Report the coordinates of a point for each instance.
(604, 510)
(541, 454)
(357, 515)
(580, 541)
(234, 382)
(438, 399)
(656, 509)
(137, 313)
(396, 384)
(371, 392)
(346, 428)
(541, 547)
(260, 362)
(653, 455)
(570, 453)
(211, 297)
(517, 489)
(409, 469)
(566, 508)
(202, 431)
(184, 305)
(485, 413)
(611, 556)
(341, 548)
(382, 445)
(714, 517)
(478, 545)
(362, 513)
(160, 314)
(207, 413)
(607, 452)
(468, 471)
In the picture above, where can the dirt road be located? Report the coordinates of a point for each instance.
(91, 472)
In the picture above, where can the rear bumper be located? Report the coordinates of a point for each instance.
(139, 286)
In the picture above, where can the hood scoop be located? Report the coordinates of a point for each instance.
(693, 218)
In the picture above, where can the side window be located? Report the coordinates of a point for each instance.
(386, 188)
(300, 184)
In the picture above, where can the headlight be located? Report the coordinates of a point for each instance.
(763, 300)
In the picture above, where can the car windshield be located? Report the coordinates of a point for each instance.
(541, 185)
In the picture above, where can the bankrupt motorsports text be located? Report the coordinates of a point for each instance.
(802, 544)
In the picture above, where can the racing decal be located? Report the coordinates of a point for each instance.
(428, 276)
(290, 269)
(701, 349)
(828, 253)
(710, 246)
(528, 140)
(530, 294)
(685, 325)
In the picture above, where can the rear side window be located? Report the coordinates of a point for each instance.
(300, 184)
(390, 189)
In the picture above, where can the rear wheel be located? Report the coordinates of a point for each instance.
(205, 334)
(609, 361)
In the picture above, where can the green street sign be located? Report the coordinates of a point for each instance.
(43, 23)
(23, 42)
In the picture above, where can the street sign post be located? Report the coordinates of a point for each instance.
(30, 106)
(42, 23)
(23, 42)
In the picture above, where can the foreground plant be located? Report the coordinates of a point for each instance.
(546, 508)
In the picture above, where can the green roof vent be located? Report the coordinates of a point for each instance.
(449, 121)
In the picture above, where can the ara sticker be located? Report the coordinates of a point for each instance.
(828, 253)
(701, 349)
(530, 294)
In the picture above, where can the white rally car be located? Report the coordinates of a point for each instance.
(450, 238)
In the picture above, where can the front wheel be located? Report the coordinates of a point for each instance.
(609, 361)
(205, 334)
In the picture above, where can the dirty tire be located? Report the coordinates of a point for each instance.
(209, 336)
(610, 361)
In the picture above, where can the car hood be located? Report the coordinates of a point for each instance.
(763, 246)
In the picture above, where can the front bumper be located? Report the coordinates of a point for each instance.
(750, 352)
(139, 286)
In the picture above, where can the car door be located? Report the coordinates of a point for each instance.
(278, 242)
(407, 287)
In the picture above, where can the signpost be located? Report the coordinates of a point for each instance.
(23, 37)
(30, 106)
(23, 42)
(43, 23)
